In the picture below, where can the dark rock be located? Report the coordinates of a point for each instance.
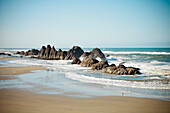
(100, 65)
(41, 52)
(47, 52)
(58, 54)
(22, 53)
(107, 55)
(2, 54)
(18, 52)
(88, 62)
(75, 52)
(53, 53)
(97, 53)
(76, 61)
(121, 70)
(9, 54)
(63, 55)
(84, 55)
(33, 52)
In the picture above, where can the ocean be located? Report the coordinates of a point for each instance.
(63, 78)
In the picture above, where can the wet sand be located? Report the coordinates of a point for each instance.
(19, 70)
(19, 101)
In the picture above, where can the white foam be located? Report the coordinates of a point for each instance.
(122, 83)
(99, 59)
(136, 52)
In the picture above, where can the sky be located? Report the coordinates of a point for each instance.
(87, 23)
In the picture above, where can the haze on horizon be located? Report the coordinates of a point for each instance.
(88, 23)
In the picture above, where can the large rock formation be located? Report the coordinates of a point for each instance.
(75, 52)
(94, 54)
(47, 52)
(88, 62)
(41, 52)
(95, 59)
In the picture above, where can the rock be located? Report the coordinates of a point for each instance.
(76, 61)
(121, 70)
(84, 55)
(53, 53)
(75, 52)
(22, 53)
(100, 65)
(33, 52)
(58, 54)
(63, 55)
(132, 70)
(88, 62)
(97, 54)
(2, 54)
(18, 52)
(107, 55)
(47, 52)
(41, 52)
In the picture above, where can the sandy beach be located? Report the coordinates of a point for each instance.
(21, 101)
(18, 101)
(19, 70)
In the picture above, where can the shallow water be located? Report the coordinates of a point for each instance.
(72, 80)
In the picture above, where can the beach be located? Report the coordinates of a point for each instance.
(19, 101)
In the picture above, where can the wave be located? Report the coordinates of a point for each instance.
(120, 83)
(136, 52)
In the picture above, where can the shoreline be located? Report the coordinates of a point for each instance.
(20, 101)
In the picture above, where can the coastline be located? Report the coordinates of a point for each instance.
(15, 100)
(21, 101)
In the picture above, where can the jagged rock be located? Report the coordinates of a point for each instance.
(53, 53)
(97, 54)
(47, 52)
(63, 55)
(41, 52)
(121, 70)
(57, 57)
(84, 55)
(75, 52)
(76, 61)
(88, 62)
(100, 65)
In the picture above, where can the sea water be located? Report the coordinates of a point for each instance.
(61, 77)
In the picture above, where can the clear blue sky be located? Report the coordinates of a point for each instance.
(88, 23)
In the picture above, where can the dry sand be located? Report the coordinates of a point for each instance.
(19, 70)
(8, 58)
(18, 101)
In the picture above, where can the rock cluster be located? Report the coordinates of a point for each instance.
(52, 54)
(29, 52)
(94, 59)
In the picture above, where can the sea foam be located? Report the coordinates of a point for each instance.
(122, 83)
